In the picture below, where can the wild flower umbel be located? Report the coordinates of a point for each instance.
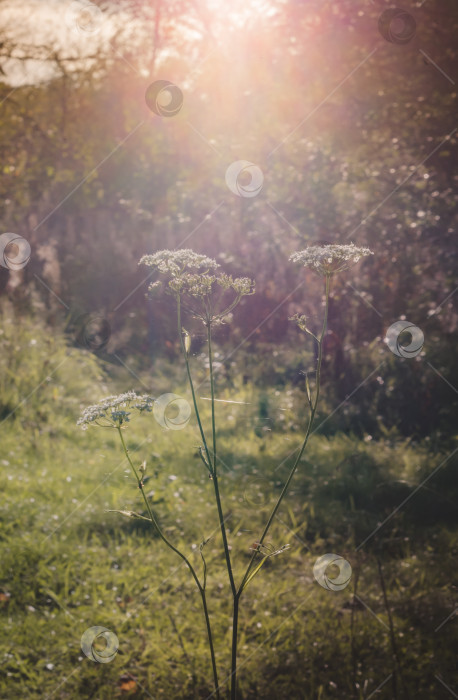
(178, 265)
(208, 296)
(113, 411)
(329, 259)
(205, 285)
(177, 262)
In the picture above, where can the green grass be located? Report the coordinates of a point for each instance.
(67, 564)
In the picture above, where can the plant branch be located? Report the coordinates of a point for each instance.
(215, 475)
(306, 438)
(247, 577)
(191, 384)
(151, 514)
(183, 557)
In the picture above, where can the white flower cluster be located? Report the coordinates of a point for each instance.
(176, 262)
(111, 410)
(203, 285)
(328, 259)
(181, 265)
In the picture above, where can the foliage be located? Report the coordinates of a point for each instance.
(92, 179)
(68, 565)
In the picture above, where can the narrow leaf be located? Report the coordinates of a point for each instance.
(204, 460)
(129, 514)
(253, 573)
(307, 389)
(186, 341)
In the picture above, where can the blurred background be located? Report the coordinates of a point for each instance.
(348, 110)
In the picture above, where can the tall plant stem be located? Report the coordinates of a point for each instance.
(283, 492)
(183, 557)
(306, 438)
(210, 641)
(215, 475)
(235, 623)
(191, 383)
(210, 458)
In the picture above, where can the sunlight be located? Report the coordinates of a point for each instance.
(228, 257)
(238, 12)
(73, 26)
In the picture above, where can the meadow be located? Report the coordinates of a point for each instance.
(68, 564)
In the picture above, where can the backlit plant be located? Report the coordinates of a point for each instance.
(201, 290)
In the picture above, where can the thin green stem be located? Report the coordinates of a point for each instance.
(282, 494)
(215, 475)
(151, 514)
(183, 557)
(212, 390)
(306, 438)
(191, 384)
(211, 462)
(235, 620)
(210, 641)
